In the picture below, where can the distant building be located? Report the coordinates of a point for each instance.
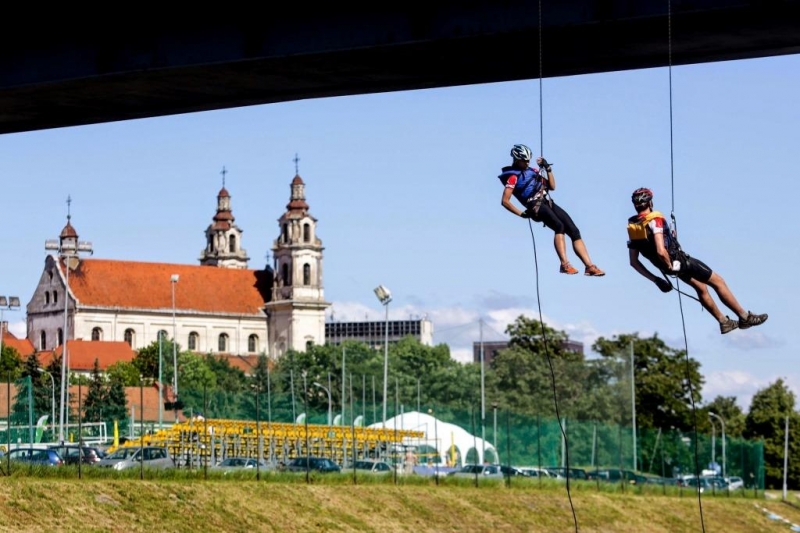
(492, 348)
(373, 333)
(219, 306)
(24, 347)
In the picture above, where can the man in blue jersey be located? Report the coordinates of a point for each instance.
(650, 235)
(531, 189)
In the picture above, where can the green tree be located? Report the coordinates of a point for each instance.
(662, 378)
(228, 378)
(766, 420)
(125, 372)
(523, 376)
(116, 406)
(42, 395)
(10, 363)
(732, 415)
(95, 402)
(146, 359)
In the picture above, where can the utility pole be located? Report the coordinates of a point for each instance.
(483, 397)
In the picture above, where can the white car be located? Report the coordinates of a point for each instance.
(735, 482)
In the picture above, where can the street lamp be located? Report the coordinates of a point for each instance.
(174, 281)
(385, 296)
(327, 390)
(68, 248)
(10, 303)
(721, 421)
(53, 383)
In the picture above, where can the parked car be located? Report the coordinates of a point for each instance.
(371, 466)
(574, 473)
(735, 482)
(314, 464)
(511, 471)
(130, 456)
(616, 475)
(71, 453)
(532, 471)
(34, 456)
(240, 463)
(479, 470)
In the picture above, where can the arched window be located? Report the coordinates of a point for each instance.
(309, 344)
(232, 243)
(42, 340)
(50, 273)
(97, 334)
(285, 234)
(46, 297)
(210, 243)
(307, 232)
(162, 335)
(55, 297)
(252, 343)
(130, 337)
(222, 345)
(194, 341)
(60, 337)
(287, 278)
(306, 274)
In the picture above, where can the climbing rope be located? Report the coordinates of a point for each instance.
(677, 282)
(538, 298)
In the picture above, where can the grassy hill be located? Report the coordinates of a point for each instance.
(332, 503)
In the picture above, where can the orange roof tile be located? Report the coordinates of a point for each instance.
(245, 363)
(24, 347)
(136, 285)
(83, 353)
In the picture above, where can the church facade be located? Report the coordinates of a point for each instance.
(220, 306)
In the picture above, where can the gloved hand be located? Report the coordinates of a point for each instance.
(664, 285)
(525, 214)
(676, 266)
(543, 163)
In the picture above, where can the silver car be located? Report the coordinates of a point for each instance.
(130, 456)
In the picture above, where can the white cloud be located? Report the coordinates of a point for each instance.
(750, 340)
(19, 329)
(742, 385)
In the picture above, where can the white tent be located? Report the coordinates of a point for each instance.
(452, 443)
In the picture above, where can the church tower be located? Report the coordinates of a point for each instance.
(297, 310)
(223, 237)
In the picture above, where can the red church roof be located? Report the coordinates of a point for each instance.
(136, 285)
(24, 347)
(83, 353)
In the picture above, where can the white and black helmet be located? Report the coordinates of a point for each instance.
(521, 152)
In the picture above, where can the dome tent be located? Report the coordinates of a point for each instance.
(454, 443)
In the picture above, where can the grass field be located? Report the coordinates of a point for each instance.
(186, 501)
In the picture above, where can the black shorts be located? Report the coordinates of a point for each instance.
(692, 268)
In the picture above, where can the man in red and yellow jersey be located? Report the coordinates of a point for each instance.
(650, 235)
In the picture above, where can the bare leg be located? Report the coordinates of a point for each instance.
(561, 248)
(705, 299)
(725, 294)
(580, 250)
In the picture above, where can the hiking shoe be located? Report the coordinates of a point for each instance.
(592, 270)
(752, 320)
(568, 269)
(728, 325)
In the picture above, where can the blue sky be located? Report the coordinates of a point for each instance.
(406, 192)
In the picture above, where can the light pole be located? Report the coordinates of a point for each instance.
(633, 405)
(160, 383)
(10, 303)
(721, 421)
(174, 281)
(68, 248)
(385, 296)
(328, 391)
(53, 405)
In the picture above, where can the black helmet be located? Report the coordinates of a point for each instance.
(642, 196)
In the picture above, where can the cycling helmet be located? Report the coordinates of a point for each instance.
(521, 152)
(642, 196)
